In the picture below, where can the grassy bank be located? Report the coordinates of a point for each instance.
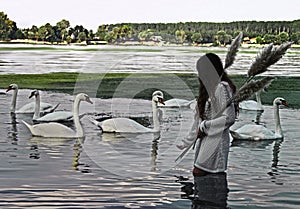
(141, 85)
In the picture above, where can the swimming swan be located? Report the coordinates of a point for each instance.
(50, 117)
(57, 130)
(260, 132)
(176, 103)
(251, 104)
(126, 125)
(28, 108)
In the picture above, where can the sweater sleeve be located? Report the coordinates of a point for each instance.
(192, 134)
(227, 117)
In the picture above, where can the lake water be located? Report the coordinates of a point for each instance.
(113, 59)
(126, 171)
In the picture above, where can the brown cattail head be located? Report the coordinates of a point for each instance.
(251, 88)
(260, 63)
(278, 52)
(233, 49)
(269, 56)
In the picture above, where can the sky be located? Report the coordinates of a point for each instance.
(92, 13)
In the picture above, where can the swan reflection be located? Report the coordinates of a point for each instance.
(154, 153)
(275, 171)
(13, 132)
(41, 144)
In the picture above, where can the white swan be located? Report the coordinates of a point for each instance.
(126, 125)
(28, 108)
(177, 103)
(251, 104)
(50, 117)
(57, 130)
(260, 132)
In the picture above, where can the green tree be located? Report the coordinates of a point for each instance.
(115, 36)
(126, 32)
(222, 38)
(19, 34)
(180, 36)
(142, 35)
(282, 37)
(269, 38)
(295, 37)
(50, 33)
(74, 32)
(68, 39)
(82, 37)
(102, 32)
(62, 28)
(42, 32)
(259, 40)
(91, 35)
(197, 38)
(7, 27)
(33, 33)
(145, 35)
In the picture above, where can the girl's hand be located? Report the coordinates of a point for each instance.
(200, 134)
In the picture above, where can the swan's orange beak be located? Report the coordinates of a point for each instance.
(285, 103)
(161, 100)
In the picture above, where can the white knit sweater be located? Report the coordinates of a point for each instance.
(211, 152)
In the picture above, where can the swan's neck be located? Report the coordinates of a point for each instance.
(36, 114)
(156, 123)
(78, 127)
(258, 99)
(278, 129)
(14, 101)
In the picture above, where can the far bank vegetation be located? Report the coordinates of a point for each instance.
(187, 33)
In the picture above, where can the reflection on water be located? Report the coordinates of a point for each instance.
(209, 191)
(13, 132)
(258, 117)
(137, 171)
(154, 152)
(276, 150)
(275, 160)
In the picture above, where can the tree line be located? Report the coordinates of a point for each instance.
(179, 33)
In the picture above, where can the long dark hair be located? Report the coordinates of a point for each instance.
(203, 94)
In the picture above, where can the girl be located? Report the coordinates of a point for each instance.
(211, 124)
